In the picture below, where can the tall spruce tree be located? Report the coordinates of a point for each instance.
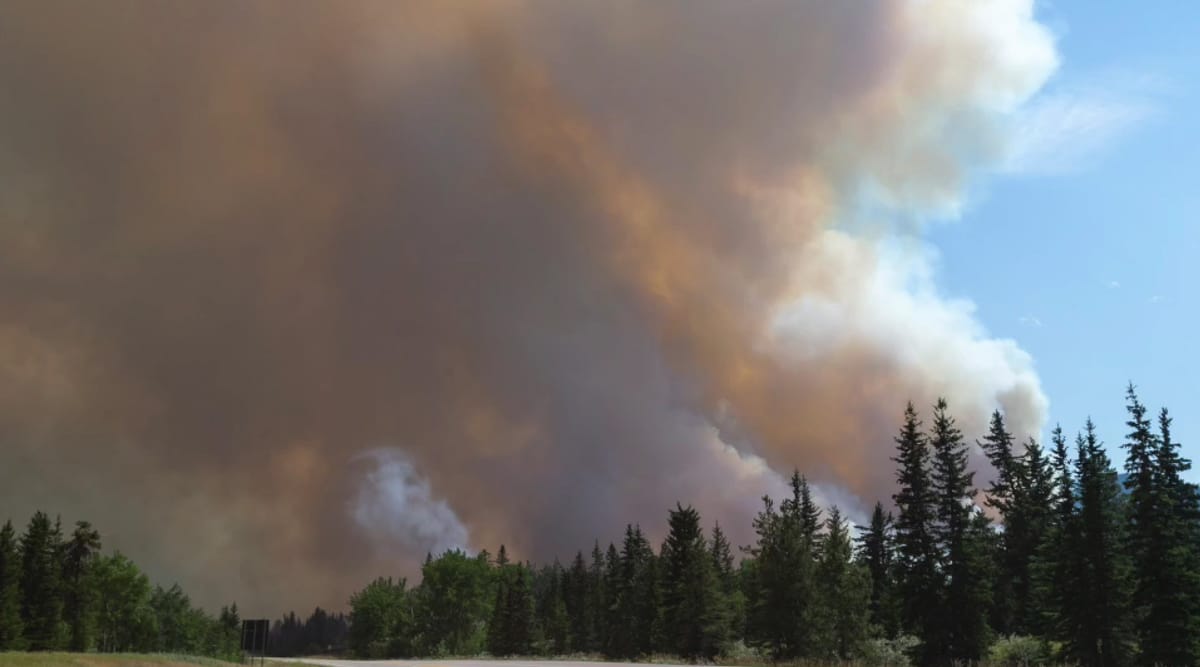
(597, 601)
(78, 597)
(1102, 603)
(1168, 596)
(691, 591)
(918, 578)
(1004, 495)
(12, 635)
(963, 631)
(782, 595)
(876, 551)
(614, 643)
(41, 586)
(576, 596)
(843, 594)
(1035, 506)
(731, 602)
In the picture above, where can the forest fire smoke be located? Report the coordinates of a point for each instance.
(575, 264)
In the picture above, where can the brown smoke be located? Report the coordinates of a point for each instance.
(292, 292)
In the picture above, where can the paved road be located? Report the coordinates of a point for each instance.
(466, 663)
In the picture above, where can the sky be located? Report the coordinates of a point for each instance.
(1085, 251)
(292, 294)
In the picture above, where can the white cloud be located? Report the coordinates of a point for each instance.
(1157, 298)
(1030, 320)
(1113, 284)
(1070, 126)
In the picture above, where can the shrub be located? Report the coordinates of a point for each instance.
(1017, 650)
(890, 652)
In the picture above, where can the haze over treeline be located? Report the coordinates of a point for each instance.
(295, 291)
(1078, 568)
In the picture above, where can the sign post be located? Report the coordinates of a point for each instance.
(254, 639)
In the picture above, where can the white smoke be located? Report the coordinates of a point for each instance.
(396, 507)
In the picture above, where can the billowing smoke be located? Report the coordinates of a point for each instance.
(580, 260)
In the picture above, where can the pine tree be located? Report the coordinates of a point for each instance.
(843, 594)
(876, 551)
(1169, 594)
(41, 589)
(801, 503)
(520, 621)
(576, 596)
(553, 624)
(1146, 516)
(691, 591)
(731, 603)
(498, 641)
(918, 580)
(1003, 495)
(964, 632)
(1035, 506)
(597, 602)
(1102, 604)
(82, 548)
(11, 628)
(613, 642)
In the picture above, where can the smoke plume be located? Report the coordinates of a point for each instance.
(572, 261)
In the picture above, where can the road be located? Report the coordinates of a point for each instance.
(329, 662)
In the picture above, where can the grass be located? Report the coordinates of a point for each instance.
(17, 659)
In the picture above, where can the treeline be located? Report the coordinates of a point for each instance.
(322, 633)
(1056, 561)
(60, 593)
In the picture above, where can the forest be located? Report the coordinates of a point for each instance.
(1060, 559)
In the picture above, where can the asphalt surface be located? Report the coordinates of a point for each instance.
(467, 663)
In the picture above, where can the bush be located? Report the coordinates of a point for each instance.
(890, 652)
(1020, 651)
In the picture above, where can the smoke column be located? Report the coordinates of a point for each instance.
(294, 292)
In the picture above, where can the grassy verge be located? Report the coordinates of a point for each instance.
(17, 659)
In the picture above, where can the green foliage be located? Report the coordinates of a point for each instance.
(962, 631)
(1019, 651)
(41, 584)
(693, 607)
(843, 594)
(918, 581)
(124, 619)
(381, 621)
(877, 553)
(890, 652)
(453, 603)
(11, 626)
(78, 599)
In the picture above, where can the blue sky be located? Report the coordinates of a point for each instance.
(1086, 247)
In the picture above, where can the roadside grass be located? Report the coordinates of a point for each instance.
(19, 659)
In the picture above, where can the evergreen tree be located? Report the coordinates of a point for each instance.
(1035, 506)
(11, 628)
(520, 613)
(963, 633)
(843, 594)
(1168, 594)
(691, 591)
(1102, 600)
(918, 579)
(553, 624)
(876, 551)
(381, 621)
(731, 604)
(1003, 495)
(498, 643)
(576, 597)
(597, 602)
(613, 642)
(781, 611)
(82, 548)
(41, 589)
